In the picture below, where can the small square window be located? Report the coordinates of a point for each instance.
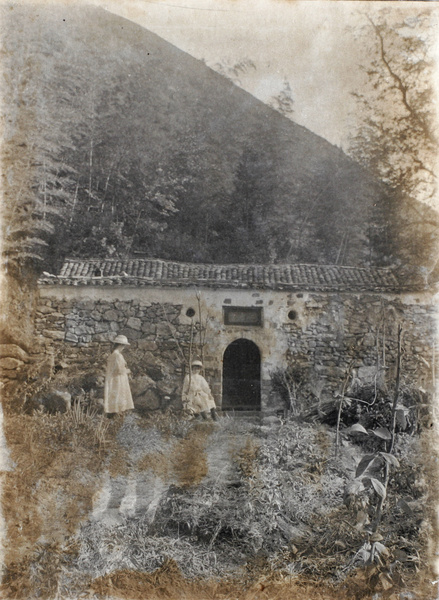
(247, 316)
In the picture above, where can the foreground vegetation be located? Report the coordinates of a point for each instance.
(244, 509)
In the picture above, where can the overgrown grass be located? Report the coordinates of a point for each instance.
(245, 511)
(58, 463)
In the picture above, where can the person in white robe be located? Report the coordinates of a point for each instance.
(196, 397)
(117, 392)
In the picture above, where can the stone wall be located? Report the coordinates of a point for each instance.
(80, 335)
(333, 333)
(322, 333)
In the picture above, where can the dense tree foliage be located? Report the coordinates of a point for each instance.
(118, 144)
(397, 139)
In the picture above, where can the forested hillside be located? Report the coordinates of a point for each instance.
(119, 143)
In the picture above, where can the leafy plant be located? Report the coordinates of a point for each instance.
(370, 470)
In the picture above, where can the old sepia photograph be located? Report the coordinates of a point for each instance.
(219, 293)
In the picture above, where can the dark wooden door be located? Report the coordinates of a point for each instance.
(242, 376)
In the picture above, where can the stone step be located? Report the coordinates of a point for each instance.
(247, 414)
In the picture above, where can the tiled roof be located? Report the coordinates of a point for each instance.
(153, 272)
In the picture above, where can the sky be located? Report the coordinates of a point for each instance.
(309, 43)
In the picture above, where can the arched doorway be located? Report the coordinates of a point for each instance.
(242, 376)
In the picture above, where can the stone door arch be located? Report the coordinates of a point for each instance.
(242, 376)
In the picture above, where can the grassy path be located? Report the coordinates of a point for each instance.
(155, 462)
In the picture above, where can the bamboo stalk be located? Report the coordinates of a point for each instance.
(379, 510)
(191, 341)
(173, 334)
(340, 408)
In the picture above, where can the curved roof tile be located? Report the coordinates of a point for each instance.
(155, 272)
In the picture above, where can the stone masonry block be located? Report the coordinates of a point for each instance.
(53, 335)
(111, 315)
(71, 337)
(10, 363)
(45, 310)
(134, 323)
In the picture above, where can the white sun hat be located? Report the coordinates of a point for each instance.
(197, 363)
(122, 339)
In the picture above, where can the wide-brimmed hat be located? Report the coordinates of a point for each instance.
(197, 363)
(122, 339)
